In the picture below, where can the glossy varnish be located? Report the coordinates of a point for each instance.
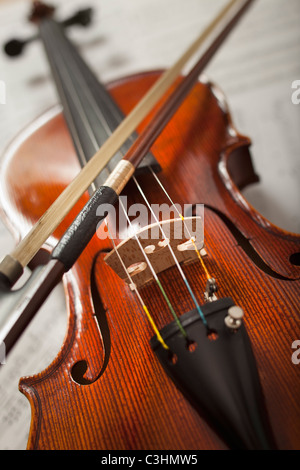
(124, 400)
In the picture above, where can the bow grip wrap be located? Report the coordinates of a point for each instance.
(81, 231)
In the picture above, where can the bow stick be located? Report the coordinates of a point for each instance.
(18, 307)
(213, 36)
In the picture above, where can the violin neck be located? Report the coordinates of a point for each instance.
(90, 112)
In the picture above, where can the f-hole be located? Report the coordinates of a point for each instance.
(244, 243)
(79, 368)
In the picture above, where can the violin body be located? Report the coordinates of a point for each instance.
(106, 389)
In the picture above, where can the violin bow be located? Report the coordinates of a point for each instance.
(19, 306)
(11, 267)
(252, 429)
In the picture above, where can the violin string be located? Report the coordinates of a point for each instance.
(94, 140)
(77, 103)
(209, 40)
(87, 92)
(76, 100)
(175, 316)
(61, 69)
(208, 276)
(105, 125)
(145, 308)
(201, 314)
(103, 93)
(64, 72)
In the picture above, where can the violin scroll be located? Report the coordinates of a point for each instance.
(15, 47)
(40, 11)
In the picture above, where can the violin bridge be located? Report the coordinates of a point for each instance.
(157, 249)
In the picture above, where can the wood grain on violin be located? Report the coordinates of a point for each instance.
(106, 389)
(150, 415)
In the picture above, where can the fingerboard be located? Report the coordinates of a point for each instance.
(89, 110)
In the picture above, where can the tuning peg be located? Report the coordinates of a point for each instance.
(15, 47)
(82, 18)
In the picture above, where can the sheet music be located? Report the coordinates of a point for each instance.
(255, 69)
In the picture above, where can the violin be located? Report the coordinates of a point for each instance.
(169, 320)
